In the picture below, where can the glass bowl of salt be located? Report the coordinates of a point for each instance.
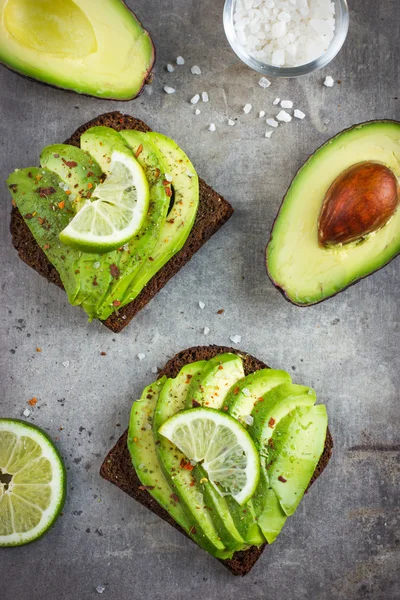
(286, 38)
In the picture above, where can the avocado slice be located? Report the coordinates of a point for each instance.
(182, 214)
(297, 445)
(100, 142)
(210, 386)
(176, 467)
(142, 448)
(305, 271)
(244, 393)
(93, 48)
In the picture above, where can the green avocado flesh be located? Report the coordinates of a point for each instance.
(93, 48)
(102, 283)
(305, 271)
(288, 430)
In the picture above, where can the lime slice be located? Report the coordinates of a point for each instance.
(32, 483)
(222, 445)
(116, 210)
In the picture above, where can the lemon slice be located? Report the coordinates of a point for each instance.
(116, 210)
(222, 445)
(32, 483)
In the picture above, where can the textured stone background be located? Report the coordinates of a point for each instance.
(343, 542)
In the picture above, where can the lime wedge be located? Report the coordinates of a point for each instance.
(116, 210)
(222, 445)
(32, 483)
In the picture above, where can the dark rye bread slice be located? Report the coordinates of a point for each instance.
(117, 466)
(212, 213)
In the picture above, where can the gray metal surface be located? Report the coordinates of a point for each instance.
(343, 542)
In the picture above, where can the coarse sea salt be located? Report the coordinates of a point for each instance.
(268, 133)
(284, 116)
(201, 304)
(287, 104)
(284, 33)
(141, 356)
(197, 111)
(276, 101)
(236, 339)
(204, 97)
(247, 108)
(180, 60)
(328, 82)
(231, 122)
(298, 114)
(212, 127)
(272, 123)
(206, 330)
(169, 90)
(264, 82)
(195, 99)
(261, 114)
(195, 70)
(170, 68)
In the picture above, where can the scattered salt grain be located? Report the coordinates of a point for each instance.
(204, 96)
(202, 304)
(236, 339)
(96, 265)
(261, 114)
(189, 173)
(180, 60)
(276, 101)
(206, 330)
(197, 111)
(247, 108)
(287, 104)
(195, 70)
(272, 122)
(329, 81)
(168, 177)
(100, 589)
(298, 114)
(26, 412)
(264, 82)
(246, 392)
(66, 363)
(195, 99)
(268, 133)
(278, 58)
(169, 90)
(231, 122)
(141, 466)
(154, 370)
(212, 127)
(141, 356)
(170, 68)
(284, 116)
(249, 420)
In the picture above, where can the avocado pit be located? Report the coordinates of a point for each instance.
(360, 201)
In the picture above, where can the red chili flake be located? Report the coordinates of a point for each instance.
(40, 220)
(171, 221)
(94, 282)
(146, 487)
(260, 399)
(174, 497)
(69, 163)
(38, 349)
(236, 390)
(280, 478)
(89, 174)
(46, 246)
(61, 204)
(114, 271)
(225, 408)
(271, 422)
(186, 465)
(157, 173)
(192, 483)
(168, 191)
(271, 443)
(195, 404)
(90, 185)
(116, 303)
(220, 311)
(139, 151)
(32, 401)
(220, 367)
(192, 530)
(13, 187)
(44, 192)
(103, 353)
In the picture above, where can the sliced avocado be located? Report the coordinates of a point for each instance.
(178, 225)
(101, 142)
(297, 445)
(244, 393)
(142, 448)
(77, 169)
(99, 49)
(176, 467)
(210, 387)
(306, 271)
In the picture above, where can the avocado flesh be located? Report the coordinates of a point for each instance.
(172, 400)
(305, 271)
(181, 217)
(99, 50)
(142, 448)
(100, 142)
(298, 443)
(210, 387)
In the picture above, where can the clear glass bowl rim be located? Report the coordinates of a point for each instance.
(341, 29)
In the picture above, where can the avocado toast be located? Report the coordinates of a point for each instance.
(212, 212)
(117, 467)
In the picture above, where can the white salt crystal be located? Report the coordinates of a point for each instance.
(268, 133)
(329, 81)
(168, 177)
(169, 90)
(247, 108)
(195, 70)
(287, 104)
(276, 101)
(180, 60)
(204, 97)
(195, 99)
(231, 122)
(212, 127)
(206, 330)
(154, 370)
(26, 412)
(141, 356)
(278, 58)
(249, 420)
(236, 339)
(170, 68)
(66, 363)
(246, 392)
(201, 304)
(261, 114)
(264, 82)
(298, 114)
(197, 111)
(272, 123)
(278, 29)
(284, 116)
(100, 589)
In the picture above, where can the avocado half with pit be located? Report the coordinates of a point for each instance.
(90, 47)
(340, 219)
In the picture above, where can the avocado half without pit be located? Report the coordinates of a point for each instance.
(340, 219)
(90, 47)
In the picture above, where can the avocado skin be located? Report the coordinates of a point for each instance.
(282, 291)
(147, 79)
